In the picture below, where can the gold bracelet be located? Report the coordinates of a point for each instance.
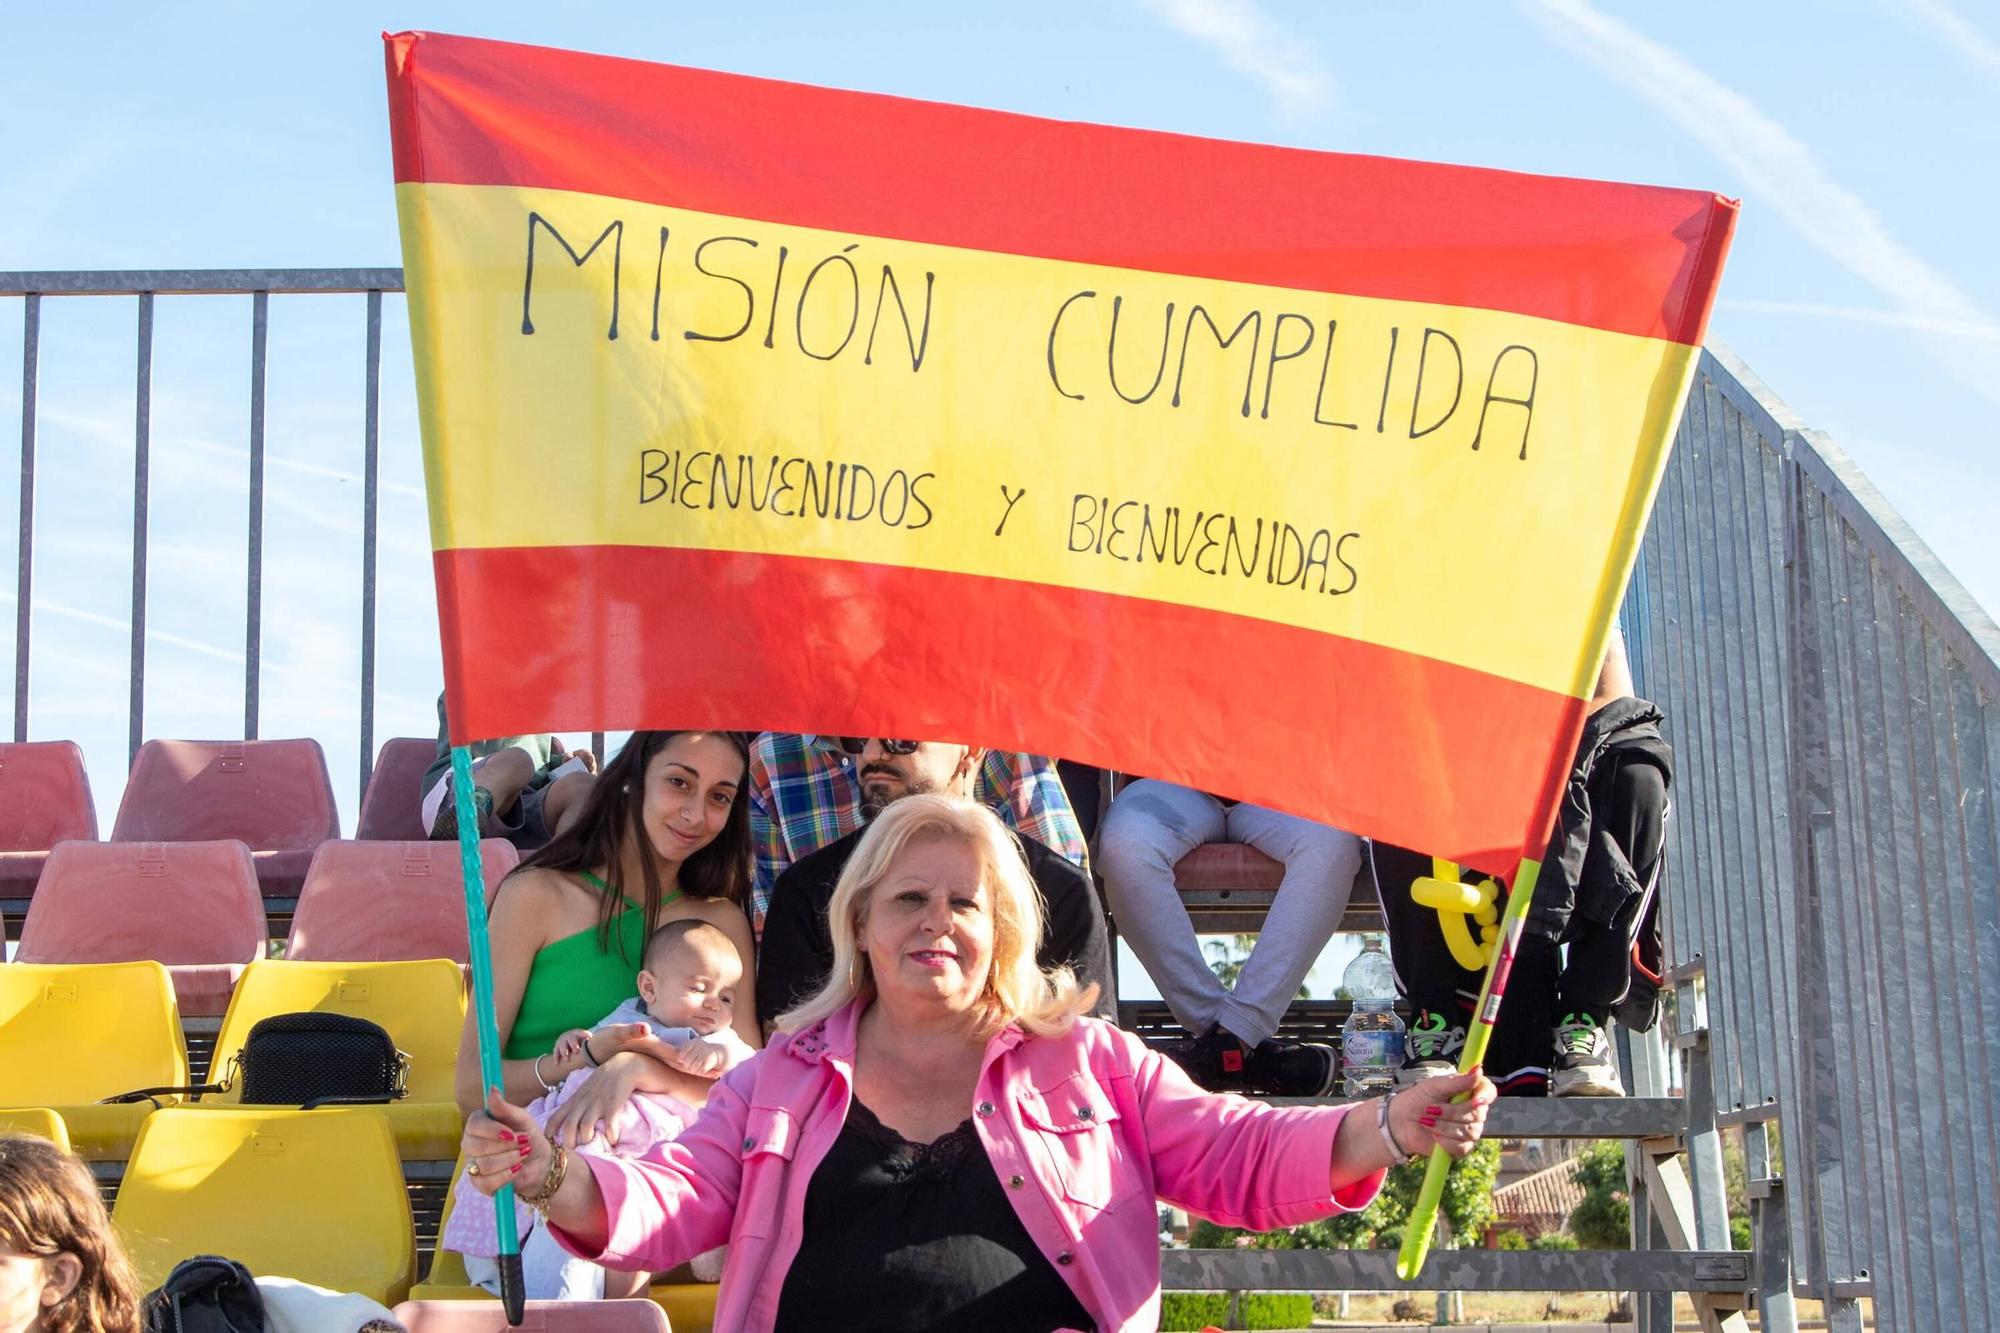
(540, 1200)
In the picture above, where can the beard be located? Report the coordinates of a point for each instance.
(877, 798)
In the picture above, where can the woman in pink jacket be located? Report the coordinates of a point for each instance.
(939, 1139)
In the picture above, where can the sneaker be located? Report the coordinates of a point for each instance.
(1431, 1048)
(445, 827)
(1583, 1060)
(1293, 1069)
(1215, 1060)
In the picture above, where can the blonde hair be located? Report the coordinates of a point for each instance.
(1044, 1001)
(49, 1206)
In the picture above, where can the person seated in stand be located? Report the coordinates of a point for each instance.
(687, 996)
(939, 1138)
(1595, 901)
(1151, 825)
(805, 792)
(62, 1268)
(523, 787)
(797, 945)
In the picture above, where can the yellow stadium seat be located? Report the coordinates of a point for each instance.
(74, 1033)
(39, 1121)
(420, 1004)
(689, 1306)
(312, 1195)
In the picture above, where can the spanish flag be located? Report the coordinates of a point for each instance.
(1304, 478)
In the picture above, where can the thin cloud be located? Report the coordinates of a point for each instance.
(1958, 34)
(1786, 179)
(1895, 319)
(1249, 42)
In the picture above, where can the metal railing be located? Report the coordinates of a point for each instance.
(1833, 696)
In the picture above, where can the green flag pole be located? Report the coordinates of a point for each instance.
(1423, 1218)
(513, 1296)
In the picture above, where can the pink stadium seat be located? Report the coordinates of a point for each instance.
(389, 807)
(273, 795)
(193, 906)
(553, 1316)
(369, 902)
(44, 800)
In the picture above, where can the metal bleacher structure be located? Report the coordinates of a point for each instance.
(1833, 696)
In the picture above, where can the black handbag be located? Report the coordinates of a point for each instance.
(205, 1294)
(307, 1060)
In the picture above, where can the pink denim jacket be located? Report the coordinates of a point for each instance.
(1085, 1130)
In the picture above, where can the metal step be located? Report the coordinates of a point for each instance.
(1459, 1270)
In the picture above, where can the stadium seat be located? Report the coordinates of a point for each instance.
(553, 1316)
(421, 1005)
(193, 906)
(44, 800)
(39, 1121)
(73, 1034)
(273, 795)
(383, 901)
(389, 810)
(312, 1195)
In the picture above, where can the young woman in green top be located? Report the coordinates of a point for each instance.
(664, 835)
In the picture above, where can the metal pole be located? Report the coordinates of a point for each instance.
(142, 444)
(24, 586)
(253, 626)
(370, 438)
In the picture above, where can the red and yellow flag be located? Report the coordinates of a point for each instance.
(1304, 478)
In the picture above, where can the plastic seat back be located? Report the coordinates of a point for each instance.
(389, 808)
(382, 901)
(421, 1004)
(312, 1195)
(552, 1316)
(39, 1121)
(194, 906)
(75, 1033)
(274, 796)
(44, 800)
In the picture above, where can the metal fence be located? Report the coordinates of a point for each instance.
(1834, 699)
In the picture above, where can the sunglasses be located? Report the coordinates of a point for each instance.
(857, 744)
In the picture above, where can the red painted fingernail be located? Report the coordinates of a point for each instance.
(1435, 1110)
(1428, 1122)
(514, 1168)
(506, 1136)
(526, 1147)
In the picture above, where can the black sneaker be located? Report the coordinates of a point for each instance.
(1215, 1060)
(1293, 1069)
(1584, 1067)
(445, 827)
(1431, 1048)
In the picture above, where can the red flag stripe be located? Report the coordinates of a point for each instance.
(466, 111)
(605, 637)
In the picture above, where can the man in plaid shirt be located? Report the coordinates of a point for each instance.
(804, 794)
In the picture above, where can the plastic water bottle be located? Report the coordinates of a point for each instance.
(1371, 1041)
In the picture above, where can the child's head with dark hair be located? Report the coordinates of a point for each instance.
(61, 1267)
(690, 978)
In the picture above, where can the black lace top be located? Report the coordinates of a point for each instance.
(907, 1236)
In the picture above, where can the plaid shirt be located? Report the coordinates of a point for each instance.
(804, 795)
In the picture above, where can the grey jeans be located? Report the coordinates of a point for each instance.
(1150, 827)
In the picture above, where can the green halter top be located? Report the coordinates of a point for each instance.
(573, 983)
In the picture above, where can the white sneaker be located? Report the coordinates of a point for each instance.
(1584, 1067)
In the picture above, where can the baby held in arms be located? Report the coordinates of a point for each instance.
(681, 1017)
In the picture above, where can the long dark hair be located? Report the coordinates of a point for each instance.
(612, 813)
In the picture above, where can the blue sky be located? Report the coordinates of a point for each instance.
(1863, 288)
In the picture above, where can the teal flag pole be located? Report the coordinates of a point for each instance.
(513, 1296)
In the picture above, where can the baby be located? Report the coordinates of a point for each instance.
(681, 1017)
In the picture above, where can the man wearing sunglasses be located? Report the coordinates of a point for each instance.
(797, 946)
(805, 791)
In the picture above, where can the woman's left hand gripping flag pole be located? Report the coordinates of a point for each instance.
(513, 1297)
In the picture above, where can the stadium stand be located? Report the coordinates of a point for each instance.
(273, 795)
(76, 1033)
(204, 1180)
(44, 800)
(389, 806)
(420, 1004)
(193, 906)
(552, 1316)
(384, 901)
(39, 1121)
